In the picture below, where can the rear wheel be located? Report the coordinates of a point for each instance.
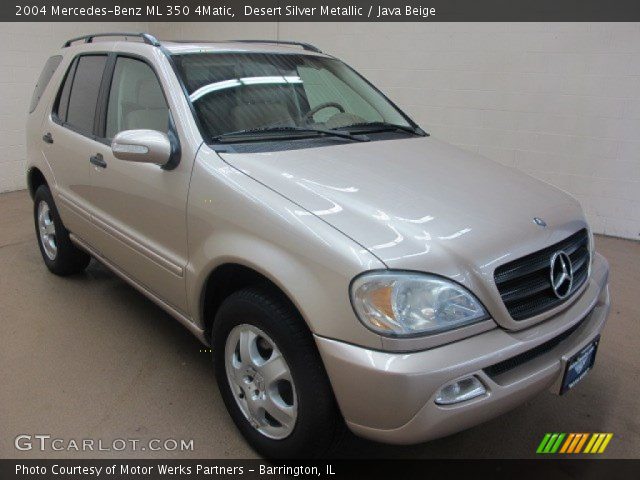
(60, 255)
(271, 377)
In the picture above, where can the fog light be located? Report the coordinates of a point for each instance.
(460, 390)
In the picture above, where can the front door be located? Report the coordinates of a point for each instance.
(141, 208)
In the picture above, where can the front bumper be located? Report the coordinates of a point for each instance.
(389, 397)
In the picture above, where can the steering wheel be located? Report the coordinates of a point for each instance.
(322, 106)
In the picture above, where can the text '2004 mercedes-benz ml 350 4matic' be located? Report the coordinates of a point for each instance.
(346, 268)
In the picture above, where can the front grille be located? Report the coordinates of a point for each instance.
(525, 286)
(514, 362)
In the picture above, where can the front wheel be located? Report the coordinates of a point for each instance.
(271, 377)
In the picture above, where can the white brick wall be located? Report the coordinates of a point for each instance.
(24, 48)
(560, 101)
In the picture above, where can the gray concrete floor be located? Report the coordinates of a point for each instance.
(89, 357)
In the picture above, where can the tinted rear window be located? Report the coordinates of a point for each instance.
(45, 76)
(84, 92)
(63, 101)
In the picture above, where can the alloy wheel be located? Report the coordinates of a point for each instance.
(261, 381)
(47, 230)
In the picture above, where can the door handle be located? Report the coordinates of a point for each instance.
(47, 137)
(98, 160)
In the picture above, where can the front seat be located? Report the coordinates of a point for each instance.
(261, 107)
(151, 111)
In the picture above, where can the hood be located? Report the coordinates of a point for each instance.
(420, 204)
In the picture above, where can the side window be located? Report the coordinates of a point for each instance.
(63, 97)
(84, 92)
(45, 76)
(136, 100)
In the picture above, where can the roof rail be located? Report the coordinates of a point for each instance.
(146, 38)
(305, 46)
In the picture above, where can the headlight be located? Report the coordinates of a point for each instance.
(409, 304)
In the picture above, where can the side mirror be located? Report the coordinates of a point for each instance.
(144, 146)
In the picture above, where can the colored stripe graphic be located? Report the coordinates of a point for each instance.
(576, 439)
(556, 446)
(598, 442)
(596, 446)
(582, 441)
(592, 440)
(605, 442)
(550, 443)
(567, 442)
(573, 443)
(543, 443)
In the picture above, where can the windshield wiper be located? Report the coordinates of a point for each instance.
(259, 134)
(370, 127)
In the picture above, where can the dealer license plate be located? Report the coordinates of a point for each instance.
(579, 365)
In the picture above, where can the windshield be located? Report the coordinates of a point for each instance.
(253, 92)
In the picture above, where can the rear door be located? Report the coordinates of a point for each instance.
(68, 140)
(140, 208)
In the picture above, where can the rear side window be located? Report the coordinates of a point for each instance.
(83, 100)
(63, 98)
(45, 76)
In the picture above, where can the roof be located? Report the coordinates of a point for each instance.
(191, 46)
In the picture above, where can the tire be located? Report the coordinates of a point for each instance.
(272, 325)
(60, 255)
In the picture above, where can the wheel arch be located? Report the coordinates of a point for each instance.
(228, 278)
(35, 178)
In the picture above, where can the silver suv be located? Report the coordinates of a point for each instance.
(346, 268)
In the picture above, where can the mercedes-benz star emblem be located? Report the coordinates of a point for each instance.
(561, 274)
(540, 222)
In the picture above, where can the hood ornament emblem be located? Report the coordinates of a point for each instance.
(561, 274)
(540, 222)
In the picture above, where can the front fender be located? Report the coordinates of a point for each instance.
(234, 219)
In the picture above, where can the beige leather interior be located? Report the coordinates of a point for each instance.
(261, 107)
(256, 115)
(152, 112)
